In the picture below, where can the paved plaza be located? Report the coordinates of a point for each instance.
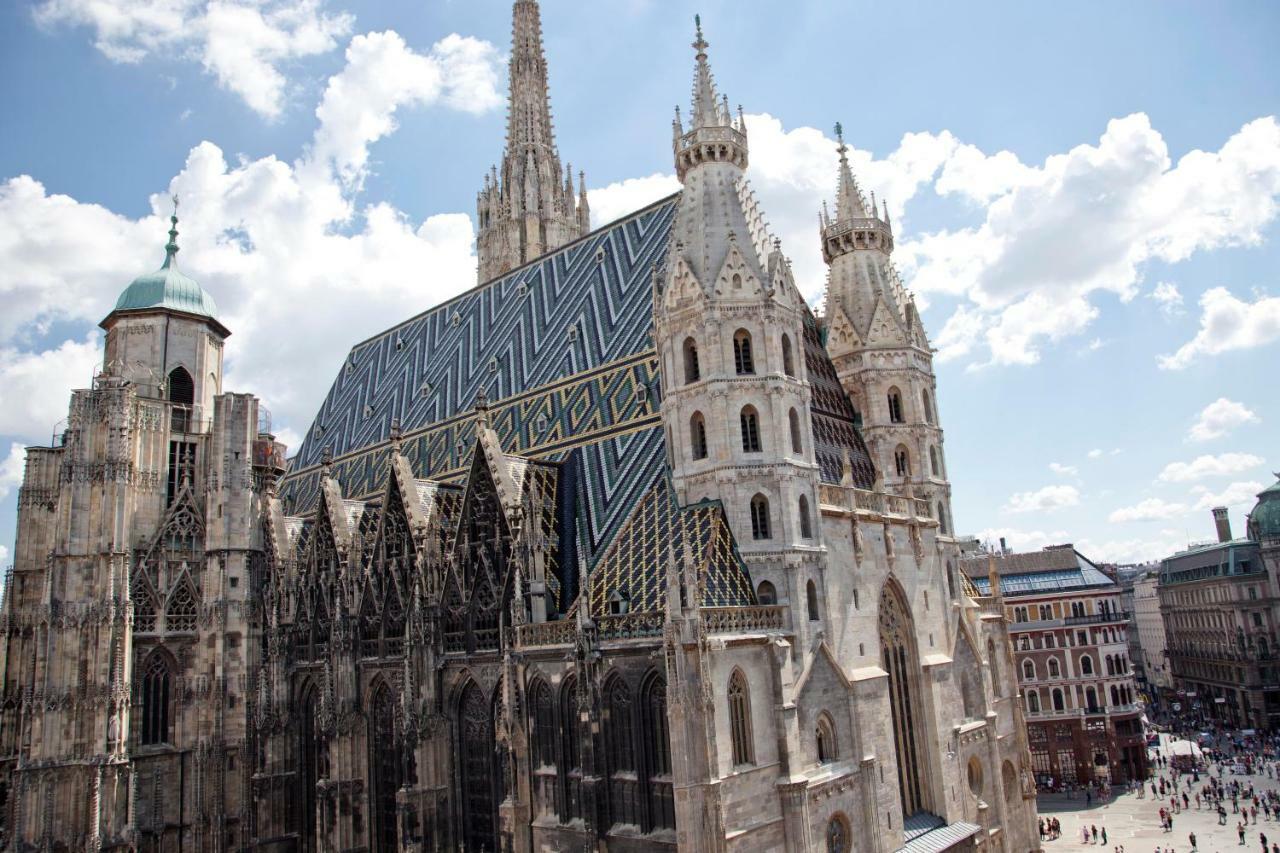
(1134, 821)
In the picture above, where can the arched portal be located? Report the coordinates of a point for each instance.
(901, 662)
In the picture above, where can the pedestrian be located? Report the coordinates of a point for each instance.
(1240, 832)
(1094, 827)
(1104, 836)
(1192, 838)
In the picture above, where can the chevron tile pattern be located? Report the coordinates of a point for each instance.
(561, 348)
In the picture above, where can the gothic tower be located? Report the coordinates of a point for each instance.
(728, 323)
(530, 207)
(879, 347)
(136, 534)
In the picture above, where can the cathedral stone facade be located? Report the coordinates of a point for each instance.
(624, 549)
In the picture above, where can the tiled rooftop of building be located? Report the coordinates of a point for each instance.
(1060, 568)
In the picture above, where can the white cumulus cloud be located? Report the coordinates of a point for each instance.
(1228, 323)
(34, 386)
(1087, 221)
(1202, 467)
(1046, 499)
(263, 236)
(11, 470)
(1151, 509)
(1241, 495)
(1063, 470)
(1168, 297)
(1219, 418)
(1022, 540)
(242, 43)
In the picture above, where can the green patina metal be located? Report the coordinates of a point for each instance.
(167, 287)
(1266, 515)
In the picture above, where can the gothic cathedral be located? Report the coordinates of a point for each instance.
(624, 549)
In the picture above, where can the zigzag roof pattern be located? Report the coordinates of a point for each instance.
(562, 350)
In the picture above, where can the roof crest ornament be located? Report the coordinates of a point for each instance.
(171, 248)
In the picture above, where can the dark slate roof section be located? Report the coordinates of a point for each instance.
(835, 421)
(1057, 569)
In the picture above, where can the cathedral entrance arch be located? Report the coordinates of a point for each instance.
(479, 774)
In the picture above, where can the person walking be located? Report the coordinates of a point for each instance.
(1104, 837)
(1192, 839)
(1240, 832)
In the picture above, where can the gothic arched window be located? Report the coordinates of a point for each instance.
(182, 393)
(571, 750)
(740, 720)
(657, 740)
(182, 388)
(1029, 670)
(969, 676)
(157, 721)
(900, 661)
(1033, 701)
(180, 614)
(384, 769)
(811, 601)
(766, 593)
(620, 743)
(788, 361)
(793, 419)
(750, 423)
(1115, 695)
(1054, 669)
(902, 460)
(698, 436)
(1091, 700)
(1059, 704)
(144, 608)
(942, 519)
(806, 526)
(1086, 665)
(825, 735)
(927, 406)
(934, 468)
(760, 517)
(544, 725)
(743, 363)
(692, 371)
(895, 406)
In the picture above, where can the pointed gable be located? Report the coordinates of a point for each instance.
(885, 328)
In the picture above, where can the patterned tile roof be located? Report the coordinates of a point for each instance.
(562, 350)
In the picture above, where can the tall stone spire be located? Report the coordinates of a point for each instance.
(529, 208)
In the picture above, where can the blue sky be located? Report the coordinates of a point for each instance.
(1085, 204)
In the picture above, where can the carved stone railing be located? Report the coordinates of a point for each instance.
(876, 503)
(559, 633)
(631, 626)
(743, 620)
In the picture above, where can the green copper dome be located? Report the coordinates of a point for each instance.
(167, 287)
(1266, 515)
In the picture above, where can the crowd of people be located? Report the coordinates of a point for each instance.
(1222, 776)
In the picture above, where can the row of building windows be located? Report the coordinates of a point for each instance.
(1051, 640)
(744, 363)
(1121, 695)
(760, 525)
(1076, 609)
(741, 738)
(749, 429)
(1115, 665)
(897, 415)
(902, 461)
